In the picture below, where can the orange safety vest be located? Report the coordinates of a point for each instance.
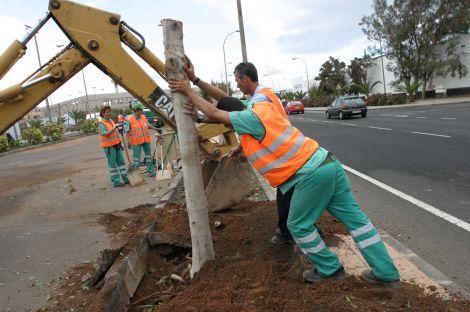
(274, 100)
(139, 132)
(121, 118)
(282, 151)
(112, 138)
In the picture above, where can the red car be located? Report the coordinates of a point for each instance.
(294, 107)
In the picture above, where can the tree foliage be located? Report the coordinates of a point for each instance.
(299, 95)
(32, 135)
(35, 122)
(421, 36)
(357, 69)
(54, 131)
(365, 87)
(332, 74)
(77, 115)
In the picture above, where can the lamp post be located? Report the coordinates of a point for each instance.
(40, 65)
(306, 71)
(272, 81)
(225, 64)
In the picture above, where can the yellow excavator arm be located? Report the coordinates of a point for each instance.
(97, 37)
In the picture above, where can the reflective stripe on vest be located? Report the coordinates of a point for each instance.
(111, 139)
(282, 151)
(139, 132)
(274, 99)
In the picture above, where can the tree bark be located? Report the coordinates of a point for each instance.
(423, 93)
(196, 203)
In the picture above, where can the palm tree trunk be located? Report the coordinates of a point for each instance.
(196, 203)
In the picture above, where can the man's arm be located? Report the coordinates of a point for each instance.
(212, 112)
(213, 91)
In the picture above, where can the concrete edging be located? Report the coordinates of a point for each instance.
(27, 148)
(122, 280)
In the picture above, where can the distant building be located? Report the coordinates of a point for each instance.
(450, 85)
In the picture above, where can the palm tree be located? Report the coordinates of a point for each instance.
(35, 122)
(365, 87)
(410, 88)
(77, 115)
(300, 95)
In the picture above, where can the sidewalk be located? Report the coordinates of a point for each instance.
(418, 103)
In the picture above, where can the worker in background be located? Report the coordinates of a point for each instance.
(318, 180)
(111, 144)
(121, 119)
(246, 76)
(138, 131)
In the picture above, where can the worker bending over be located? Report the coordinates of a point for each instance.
(288, 159)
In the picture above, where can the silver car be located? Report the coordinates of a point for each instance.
(343, 107)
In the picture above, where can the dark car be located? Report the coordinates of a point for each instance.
(294, 107)
(343, 107)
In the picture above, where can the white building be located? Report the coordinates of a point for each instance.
(452, 85)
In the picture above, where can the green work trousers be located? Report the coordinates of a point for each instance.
(137, 150)
(116, 165)
(328, 188)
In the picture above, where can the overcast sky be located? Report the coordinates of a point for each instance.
(275, 30)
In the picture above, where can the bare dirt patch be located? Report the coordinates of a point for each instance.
(248, 274)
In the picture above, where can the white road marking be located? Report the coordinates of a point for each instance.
(432, 134)
(348, 124)
(300, 118)
(402, 116)
(379, 128)
(449, 118)
(437, 212)
(312, 119)
(328, 121)
(421, 117)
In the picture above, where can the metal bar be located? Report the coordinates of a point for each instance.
(34, 30)
(36, 81)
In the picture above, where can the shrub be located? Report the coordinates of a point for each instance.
(32, 135)
(319, 101)
(89, 126)
(53, 131)
(3, 143)
(381, 99)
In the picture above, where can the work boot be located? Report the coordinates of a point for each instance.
(313, 276)
(369, 276)
(281, 238)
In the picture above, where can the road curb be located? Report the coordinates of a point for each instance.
(426, 268)
(27, 148)
(122, 280)
(456, 101)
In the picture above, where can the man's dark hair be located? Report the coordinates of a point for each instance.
(230, 104)
(247, 69)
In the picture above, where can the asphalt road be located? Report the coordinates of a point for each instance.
(422, 152)
(50, 200)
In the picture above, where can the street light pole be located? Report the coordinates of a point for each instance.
(306, 71)
(40, 65)
(225, 63)
(242, 30)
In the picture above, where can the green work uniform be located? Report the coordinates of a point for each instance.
(137, 151)
(116, 164)
(320, 187)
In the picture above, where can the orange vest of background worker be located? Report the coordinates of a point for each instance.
(283, 150)
(274, 100)
(139, 131)
(113, 138)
